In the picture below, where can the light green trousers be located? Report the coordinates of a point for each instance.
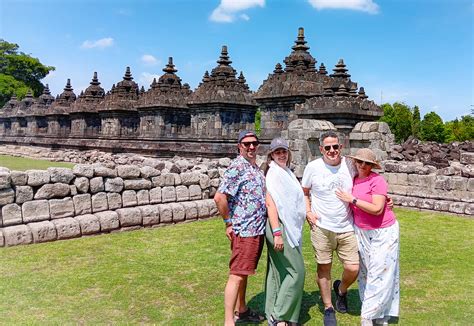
(284, 280)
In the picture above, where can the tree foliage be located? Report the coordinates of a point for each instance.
(399, 118)
(416, 122)
(19, 71)
(460, 130)
(432, 128)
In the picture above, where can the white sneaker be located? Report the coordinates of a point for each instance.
(382, 321)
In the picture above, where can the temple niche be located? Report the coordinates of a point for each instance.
(171, 119)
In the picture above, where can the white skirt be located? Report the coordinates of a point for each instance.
(379, 276)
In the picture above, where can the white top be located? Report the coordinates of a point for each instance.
(288, 196)
(323, 180)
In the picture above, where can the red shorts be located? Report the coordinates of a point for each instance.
(245, 254)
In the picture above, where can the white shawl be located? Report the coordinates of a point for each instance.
(288, 196)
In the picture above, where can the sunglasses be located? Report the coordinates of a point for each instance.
(335, 147)
(360, 162)
(247, 144)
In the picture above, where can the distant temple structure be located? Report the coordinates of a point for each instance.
(171, 119)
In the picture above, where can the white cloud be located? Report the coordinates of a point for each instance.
(101, 44)
(228, 10)
(150, 60)
(361, 5)
(146, 79)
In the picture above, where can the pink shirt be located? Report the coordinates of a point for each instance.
(363, 189)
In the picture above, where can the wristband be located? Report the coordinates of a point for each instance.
(276, 230)
(227, 220)
(277, 234)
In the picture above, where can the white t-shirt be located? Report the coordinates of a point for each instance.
(323, 180)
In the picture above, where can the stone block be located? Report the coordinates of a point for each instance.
(470, 185)
(128, 171)
(61, 208)
(457, 207)
(202, 209)
(96, 185)
(148, 172)
(459, 183)
(426, 203)
(206, 193)
(182, 193)
(195, 192)
(190, 210)
(11, 214)
(213, 173)
(35, 211)
(2, 239)
(114, 200)
(37, 177)
(178, 212)
(166, 213)
(83, 170)
(398, 190)
(158, 181)
(73, 190)
(17, 235)
(5, 180)
(23, 194)
(215, 183)
(155, 195)
(43, 231)
(143, 197)
(467, 158)
(82, 184)
(113, 184)
(99, 202)
(129, 216)
(60, 175)
(212, 207)
(82, 204)
(129, 198)
(54, 190)
(168, 179)
(88, 223)
(469, 210)
(441, 205)
(67, 228)
(168, 194)
(18, 178)
(137, 184)
(204, 181)
(108, 220)
(190, 178)
(7, 196)
(103, 171)
(150, 214)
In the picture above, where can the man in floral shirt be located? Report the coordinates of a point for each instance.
(241, 202)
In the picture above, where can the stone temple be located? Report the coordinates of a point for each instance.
(171, 119)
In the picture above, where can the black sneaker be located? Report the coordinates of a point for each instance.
(248, 316)
(341, 300)
(329, 317)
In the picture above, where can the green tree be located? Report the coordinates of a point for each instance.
(415, 128)
(432, 128)
(460, 130)
(19, 71)
(258, 122)
(399, 118)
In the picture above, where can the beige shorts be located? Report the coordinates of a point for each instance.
(325, 242)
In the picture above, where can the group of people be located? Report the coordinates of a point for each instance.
(345, 204)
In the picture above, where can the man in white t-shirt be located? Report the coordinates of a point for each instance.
(330, 220)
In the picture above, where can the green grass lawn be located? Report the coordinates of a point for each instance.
(23, 163)
(175, 275)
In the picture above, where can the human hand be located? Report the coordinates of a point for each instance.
(311, 218)
(344, 196)
(278, 242)
(229, 232)
(389, 202)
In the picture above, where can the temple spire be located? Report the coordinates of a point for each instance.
(300, 43)
(95, 80)
(128, 74)
(340, 70)
(224, 58)
(322, 69)
(170, 68)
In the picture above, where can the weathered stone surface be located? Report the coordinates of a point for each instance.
(83, 170)
(148, 172)
(143, 197)
(23, 194)
(224, 162)
(457, 208)
(88, 223)
(158, 181)
(212, 207)
(43, 231)
(2, 239)
(190, 210)
(202, 209)
(469, 210)
(129, 216)
(18, 178)
(137, 184)
(55, 190)
(73, 190)
(61, 175)
(82, 184)
(195, 192)
(441, 205)
(103, 171)
(177, 179)
(67, 228)
(128, 171)
(178, 212)
(182, 193)
(166, 213)
(7, 196)
(213, 173)
(96, 185)
(99, 202)
(204, 181)
(215, 183)
(35, 211)
(11, 214)
(168, 194)
(108, 220)
(5, 180)
(190, 178)
(61, 208)
(168, 179)
(82, 204)
(467, 158)
(17, 235)
(150, 214)
(129, 198)
(114, 200)
(155, 195)
(113, 184)
(37, 177)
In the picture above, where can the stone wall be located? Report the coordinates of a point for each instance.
(60, 203)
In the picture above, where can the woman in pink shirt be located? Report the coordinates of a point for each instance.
(378, 237)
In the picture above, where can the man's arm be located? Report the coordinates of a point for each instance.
(223, 206)
(310, 216)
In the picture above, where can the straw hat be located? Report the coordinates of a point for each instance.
(366, 155)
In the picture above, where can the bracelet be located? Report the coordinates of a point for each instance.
(277, 234)
(276, 230)
(227, 220)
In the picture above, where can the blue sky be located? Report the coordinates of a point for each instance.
(415, 51)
